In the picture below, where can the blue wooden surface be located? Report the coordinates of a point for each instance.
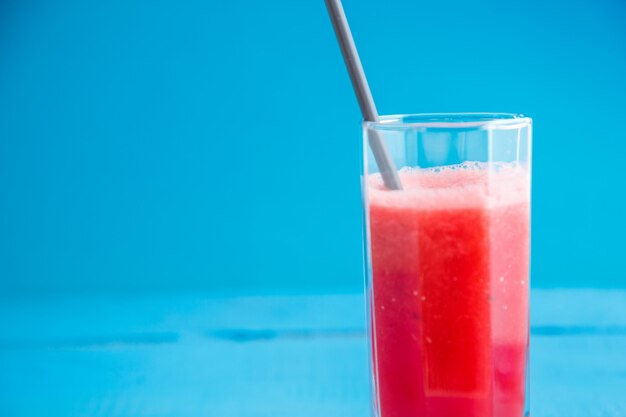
(184, 356)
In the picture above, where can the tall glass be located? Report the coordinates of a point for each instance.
(447, 265)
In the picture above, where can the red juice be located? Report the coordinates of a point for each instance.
(450, 266)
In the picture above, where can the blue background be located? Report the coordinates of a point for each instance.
(214, 146)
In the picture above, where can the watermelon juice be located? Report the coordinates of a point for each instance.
(449, 303)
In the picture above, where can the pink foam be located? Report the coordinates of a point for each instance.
(467, 185)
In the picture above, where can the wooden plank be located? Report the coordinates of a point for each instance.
(81, 320)
(306, 377)
(268, 356)
(579, 376)
(96, 319)
(582, 375)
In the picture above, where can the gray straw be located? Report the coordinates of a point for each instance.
(363, 93)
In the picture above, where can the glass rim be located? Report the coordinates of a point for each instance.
(479, 120)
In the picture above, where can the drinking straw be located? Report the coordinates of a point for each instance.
(363, 94)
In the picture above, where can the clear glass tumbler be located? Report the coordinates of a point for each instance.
(447, 265)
